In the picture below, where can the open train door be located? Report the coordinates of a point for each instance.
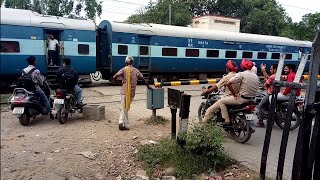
(103, 48)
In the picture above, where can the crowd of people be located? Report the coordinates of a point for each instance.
(239, 87)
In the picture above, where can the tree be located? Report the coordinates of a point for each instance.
(18, 4)
(306, 29)
(92, 8)
(159, 13)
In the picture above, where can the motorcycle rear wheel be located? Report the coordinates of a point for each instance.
(241, 126)
(295, 125)
(24, 119)
(62, 115)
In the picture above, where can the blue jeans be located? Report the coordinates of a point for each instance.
(52, 56)
(262, 105)
(78, 93)
(43, 99)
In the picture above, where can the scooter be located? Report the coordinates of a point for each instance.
(26, 105)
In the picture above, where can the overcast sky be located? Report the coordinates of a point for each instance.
(120, 10)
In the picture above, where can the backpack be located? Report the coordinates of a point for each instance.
(25, 81)
(68, 80)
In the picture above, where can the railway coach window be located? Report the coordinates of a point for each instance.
(275, 56)
(231, 54)
(83, 49)
(144, 50)
(212, 53)
(122, 49)
(192, 52)
(247, 55)
(309, 57)
(288, 56)
(9, 46)
(169, 51)
(262, 55)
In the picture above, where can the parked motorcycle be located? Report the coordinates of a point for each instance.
(241, 117)
(281, 110)
(65, 104)
(25, 104)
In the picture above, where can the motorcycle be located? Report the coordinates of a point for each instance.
(65, 104)
(242, 119)
(281, 110)
(25, 104)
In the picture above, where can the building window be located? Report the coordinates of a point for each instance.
(247, 55)
(288, 56)
(275, 56)
(169, 51)
(262, 55)
(212, 53)
(231, 54)
(122, 49)
(192, 52)
(144, 50)
(9, 46)
(83, 48)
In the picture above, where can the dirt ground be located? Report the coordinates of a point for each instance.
(82, 148)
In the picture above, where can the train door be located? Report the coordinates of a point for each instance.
(57, 55)
(144, 53)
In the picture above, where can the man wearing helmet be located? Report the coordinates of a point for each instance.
(249, 85)
(231, 69)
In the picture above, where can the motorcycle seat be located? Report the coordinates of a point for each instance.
(230, 107)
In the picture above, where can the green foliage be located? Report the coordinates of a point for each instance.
(159, 13)
(306, 29)
(18, 4)
(203, 151)
(93, 8)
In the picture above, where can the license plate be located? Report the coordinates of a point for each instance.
(251, 117)
(18, 110)
(58, 101)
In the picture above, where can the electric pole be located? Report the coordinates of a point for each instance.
(169, 14)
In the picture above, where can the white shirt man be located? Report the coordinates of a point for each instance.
(52, 44)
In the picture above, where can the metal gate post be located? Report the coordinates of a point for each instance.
(287, 123)
(300, 164)
(266, 144)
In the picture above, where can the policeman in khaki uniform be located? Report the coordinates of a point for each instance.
(249, 85)
(231, 68)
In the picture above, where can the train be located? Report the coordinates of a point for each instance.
(160, 51)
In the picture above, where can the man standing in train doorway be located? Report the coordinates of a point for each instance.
(52, 50)
(130, 77)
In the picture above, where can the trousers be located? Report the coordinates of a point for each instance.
(222, 105)
(123, 119)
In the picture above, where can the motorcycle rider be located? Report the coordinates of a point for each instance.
(269, 87)
(249, 85)
(231, 69)
(65, 72)
(290, 71)
(38, 80)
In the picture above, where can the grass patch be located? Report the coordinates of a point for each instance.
(159, 120)
(201, 152)
(4, 98)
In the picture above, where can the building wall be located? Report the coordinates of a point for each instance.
(216, 23)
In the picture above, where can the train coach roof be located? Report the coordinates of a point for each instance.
(30, 18)
(177, 31)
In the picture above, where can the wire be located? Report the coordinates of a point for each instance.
(126, 2)
(299, 7)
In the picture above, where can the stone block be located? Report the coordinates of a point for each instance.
(94, 112)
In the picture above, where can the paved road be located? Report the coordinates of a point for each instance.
(249, 154)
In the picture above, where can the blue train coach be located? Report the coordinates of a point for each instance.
(181, 52)
(24, 33)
